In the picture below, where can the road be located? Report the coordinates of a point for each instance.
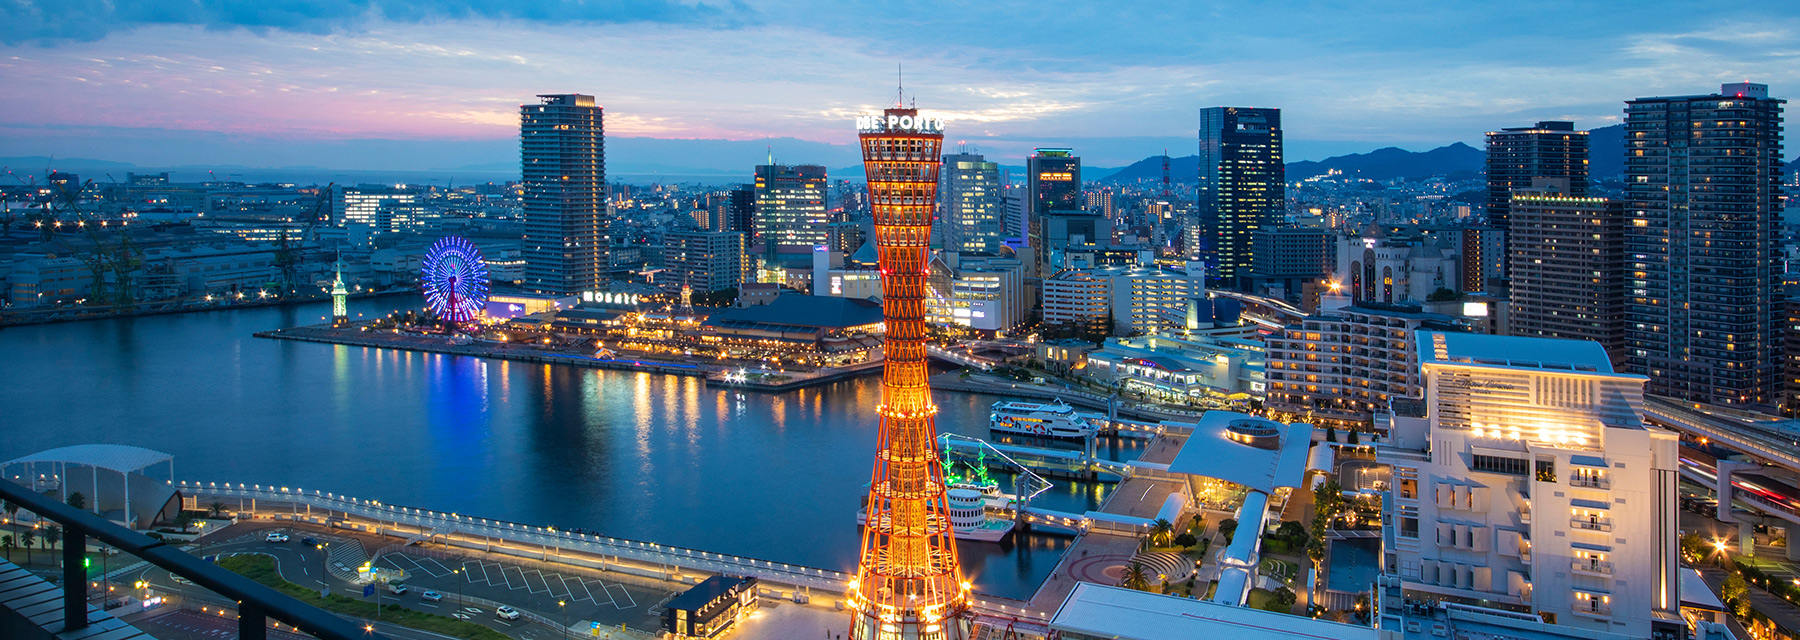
(305, 566)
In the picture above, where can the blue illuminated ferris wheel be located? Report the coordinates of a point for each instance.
(455, 280)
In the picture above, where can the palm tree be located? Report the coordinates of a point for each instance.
(12, 513)
(77, 500)
(1161, 532)
(1136, 578)
(7, 543)
(26, 540)
(53, 536)
(216, 508)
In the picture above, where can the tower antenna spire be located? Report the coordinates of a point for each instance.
(900, 84)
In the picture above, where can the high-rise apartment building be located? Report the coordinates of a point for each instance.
(1530, 484)
(790, 209)
(703, 260)
(1568, 266)
(1242, 186)
(563, 159)
(970, 205)
(1703, 198)
(1516, 155)
(740, 209)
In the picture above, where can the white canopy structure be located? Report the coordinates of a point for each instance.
(126, 493)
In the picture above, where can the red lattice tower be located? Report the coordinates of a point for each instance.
(909, 584)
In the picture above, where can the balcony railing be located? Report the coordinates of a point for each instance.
(1603, 524)
(256, 603)
(1590, 482)
(1592, 567)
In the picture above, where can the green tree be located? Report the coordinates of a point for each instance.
(1228, 528)
(7, 543)
(183, 521)
(26, 540)
(1444, 294)
(1693, 547)
(1735, 592)
(1353, 439)
(12, 513)
(1136, 578)
(77, 500)
(1330, 434)
(215, 509)
(1285, 597)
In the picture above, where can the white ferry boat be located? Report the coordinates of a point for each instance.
(1039, 420)
(968, 516)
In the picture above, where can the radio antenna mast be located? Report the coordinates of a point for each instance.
(900, 84)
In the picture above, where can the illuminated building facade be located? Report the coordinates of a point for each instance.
(791, 216)
(1531, 484)
(383, 210)
(1241, 189)
(1703, 249)
(705, 261)
(563, 156)
(909, 583)
(973, 219)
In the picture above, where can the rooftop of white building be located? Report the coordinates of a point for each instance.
(1436, 347)
(1219, 448)
(1127, 614)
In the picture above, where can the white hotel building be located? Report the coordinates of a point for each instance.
(1531, 484)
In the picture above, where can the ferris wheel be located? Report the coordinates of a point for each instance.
(455, 280)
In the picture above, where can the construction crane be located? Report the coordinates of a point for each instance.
(106, 258)
(287, 258)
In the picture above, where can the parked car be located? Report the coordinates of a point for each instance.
(275, 536)
(506, 613)
(431, 596)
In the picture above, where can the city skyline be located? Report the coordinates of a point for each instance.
(1116, 83)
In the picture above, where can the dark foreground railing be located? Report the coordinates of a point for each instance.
(256, 603)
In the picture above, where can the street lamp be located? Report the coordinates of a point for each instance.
(563, 605)
(459, 581)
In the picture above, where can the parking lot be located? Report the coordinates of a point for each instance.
(586, 597)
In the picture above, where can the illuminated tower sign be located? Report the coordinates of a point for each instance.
(909, 584)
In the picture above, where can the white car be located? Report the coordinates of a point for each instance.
(506, 613)
(431, 596)
(275, 536)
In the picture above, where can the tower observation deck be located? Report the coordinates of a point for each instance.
(909, 583)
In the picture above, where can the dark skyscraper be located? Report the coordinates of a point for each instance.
(563, 156)
(1549, 149)
(1702, 198)
(1053, 185)
(1242, 186)
(1568, 266)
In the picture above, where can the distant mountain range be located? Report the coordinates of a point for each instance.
(1381, 164)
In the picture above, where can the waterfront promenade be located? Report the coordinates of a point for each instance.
(714, 373)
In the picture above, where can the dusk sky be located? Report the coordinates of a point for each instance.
(415, 84)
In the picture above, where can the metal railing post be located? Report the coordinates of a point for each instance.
(252, 623)
(74, 554)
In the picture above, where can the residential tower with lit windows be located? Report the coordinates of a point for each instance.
(1703, 250)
